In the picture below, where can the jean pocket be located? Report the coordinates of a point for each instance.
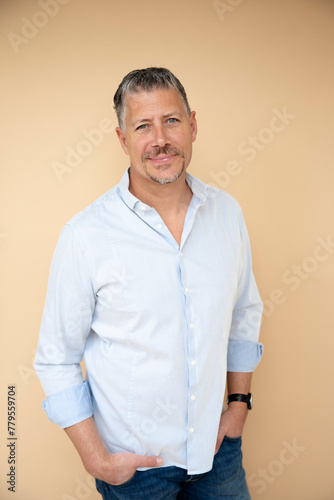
(228, 460)
(126, 483)
(232, 440)
(105, 488)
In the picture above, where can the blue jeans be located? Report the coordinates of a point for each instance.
(225, 481)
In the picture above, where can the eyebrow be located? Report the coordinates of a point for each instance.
(167, 115)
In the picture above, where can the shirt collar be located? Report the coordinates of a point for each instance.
(198, 188)
(123, 188)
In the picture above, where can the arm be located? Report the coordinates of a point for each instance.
(233, 418)
(244, 351)
(66, 323)
(65, 326)
(114, 469)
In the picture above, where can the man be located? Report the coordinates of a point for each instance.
(153, 285)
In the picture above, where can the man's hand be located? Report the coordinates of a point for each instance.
(232, 422)
(120, 467)
(233, 419)
(116, 468)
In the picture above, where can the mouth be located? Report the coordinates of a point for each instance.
(162, 156)
(161, 159)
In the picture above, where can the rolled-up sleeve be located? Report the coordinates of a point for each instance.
(244, 350)
(243, 356)
(65, 326)
(70, 406)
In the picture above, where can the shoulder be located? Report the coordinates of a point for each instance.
(213, 196)
(87, 227)
(223, 198)
(94, 214)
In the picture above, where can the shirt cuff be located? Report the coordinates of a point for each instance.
(243, 356)
(70, 406)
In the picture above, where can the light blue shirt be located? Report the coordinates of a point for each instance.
(158, 324)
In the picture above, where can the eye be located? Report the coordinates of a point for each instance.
(141, 127)
(172, 120)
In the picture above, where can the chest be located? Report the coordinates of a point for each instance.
(143, 276)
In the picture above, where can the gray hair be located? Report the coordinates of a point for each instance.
(144, 80)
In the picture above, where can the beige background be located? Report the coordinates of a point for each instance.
(242, 63)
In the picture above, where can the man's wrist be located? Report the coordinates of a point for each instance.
(239, 410)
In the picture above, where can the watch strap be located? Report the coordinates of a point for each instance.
(243, 398)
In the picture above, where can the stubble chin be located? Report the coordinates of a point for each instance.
(163, 177)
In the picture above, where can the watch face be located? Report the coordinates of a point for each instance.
(250, 401)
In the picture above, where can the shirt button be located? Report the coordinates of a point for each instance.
(181, 254)
(186, 290)
(191, 429)
(159, 226)
(193, 397)
(143, 207)
(191, 326)
(193, 362)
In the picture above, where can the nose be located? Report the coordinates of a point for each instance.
(160, 137)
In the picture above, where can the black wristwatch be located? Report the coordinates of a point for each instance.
(243, 398)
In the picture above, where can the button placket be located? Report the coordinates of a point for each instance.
(191, 352)
(192, 377)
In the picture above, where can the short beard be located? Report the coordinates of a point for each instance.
(164, 151)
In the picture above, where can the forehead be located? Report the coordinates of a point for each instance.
(153, 102)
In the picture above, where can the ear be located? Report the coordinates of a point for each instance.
(193, 125)
(122, 139)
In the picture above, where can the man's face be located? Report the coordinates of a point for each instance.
(158, 136)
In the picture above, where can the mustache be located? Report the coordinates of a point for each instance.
(166, 150)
